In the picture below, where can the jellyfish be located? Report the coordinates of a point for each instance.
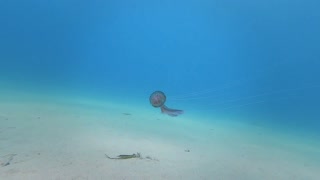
(158, 98)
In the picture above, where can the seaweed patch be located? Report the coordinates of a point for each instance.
(131, 156)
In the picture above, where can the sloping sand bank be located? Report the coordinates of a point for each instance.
(43, 139)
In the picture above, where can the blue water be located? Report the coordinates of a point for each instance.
(244, 60)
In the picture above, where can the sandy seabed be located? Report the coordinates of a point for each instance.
(44, 139)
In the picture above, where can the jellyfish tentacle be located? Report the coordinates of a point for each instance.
(171, 112)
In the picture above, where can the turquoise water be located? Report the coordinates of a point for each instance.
(248, 62)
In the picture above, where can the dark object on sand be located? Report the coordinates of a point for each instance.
(5, 164)
(158, 98)
(7, 159)
(125, 156)
(186, 150)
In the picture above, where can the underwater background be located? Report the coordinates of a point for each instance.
(254, 61)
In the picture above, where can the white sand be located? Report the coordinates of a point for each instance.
(45, 139)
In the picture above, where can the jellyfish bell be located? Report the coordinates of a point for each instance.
(157, 99)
